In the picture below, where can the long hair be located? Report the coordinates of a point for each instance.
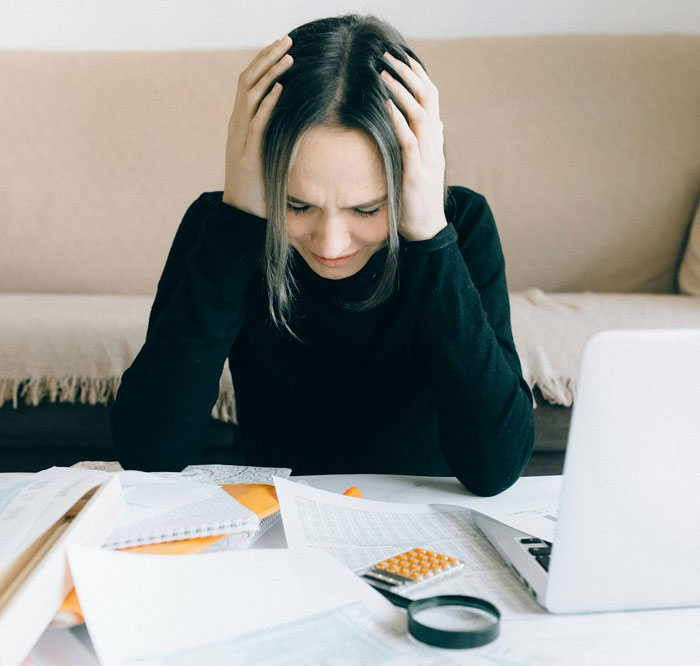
(335, 82)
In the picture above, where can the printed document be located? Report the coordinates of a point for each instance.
(359, 532)
(242, 608)
(531, 505)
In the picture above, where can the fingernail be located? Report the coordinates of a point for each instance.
(388, 55)
(385, 75)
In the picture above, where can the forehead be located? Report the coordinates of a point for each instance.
(336, 165)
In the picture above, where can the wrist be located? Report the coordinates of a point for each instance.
(423, 232)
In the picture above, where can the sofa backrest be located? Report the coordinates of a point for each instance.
(587, 148)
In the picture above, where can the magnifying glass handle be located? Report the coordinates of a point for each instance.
(396, 599)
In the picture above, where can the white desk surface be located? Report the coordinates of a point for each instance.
(625, 639)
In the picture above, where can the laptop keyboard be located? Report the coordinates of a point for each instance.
(539, 549)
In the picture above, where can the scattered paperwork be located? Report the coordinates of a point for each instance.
(30, 505)
(244, 608)
(34, 575)
(359, 532)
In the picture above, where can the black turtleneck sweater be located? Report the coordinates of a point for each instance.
(427, 383)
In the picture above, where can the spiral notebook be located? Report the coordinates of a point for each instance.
(193, 504)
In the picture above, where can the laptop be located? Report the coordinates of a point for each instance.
(627, 534)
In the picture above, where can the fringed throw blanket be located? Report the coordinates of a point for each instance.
(75, 348)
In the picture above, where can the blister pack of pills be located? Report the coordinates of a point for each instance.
(409, 569)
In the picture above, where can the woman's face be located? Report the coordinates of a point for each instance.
(337, 215)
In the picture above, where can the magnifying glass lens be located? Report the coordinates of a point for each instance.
(453, 621)
(455, 618)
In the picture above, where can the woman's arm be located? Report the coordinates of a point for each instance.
(484, 406)
(165, 399)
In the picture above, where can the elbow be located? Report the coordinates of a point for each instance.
(487, 487)
(500, 470)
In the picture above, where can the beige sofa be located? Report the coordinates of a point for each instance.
(586, 147)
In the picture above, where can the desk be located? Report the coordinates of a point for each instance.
(639, 638)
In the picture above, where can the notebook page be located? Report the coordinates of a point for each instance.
(160, 510)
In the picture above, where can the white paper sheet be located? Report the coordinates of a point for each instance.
(531, 505)
(359, 532)
(238, 608)
(30, 505)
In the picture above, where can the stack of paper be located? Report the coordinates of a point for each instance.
(40, 515)
(173, 513)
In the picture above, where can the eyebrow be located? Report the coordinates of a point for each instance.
(368, 204)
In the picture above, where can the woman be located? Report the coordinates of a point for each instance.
(362, 304)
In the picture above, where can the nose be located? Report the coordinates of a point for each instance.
(331, 237)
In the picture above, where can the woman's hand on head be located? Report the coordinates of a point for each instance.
(243, 185)
(420, 135)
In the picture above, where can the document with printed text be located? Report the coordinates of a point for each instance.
(359, 532)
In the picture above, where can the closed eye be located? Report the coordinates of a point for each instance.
(298, 210)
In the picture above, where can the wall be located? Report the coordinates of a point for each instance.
(193, 24)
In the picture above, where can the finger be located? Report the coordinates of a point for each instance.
(248, 101)
(258, 90)
(263, 61)
(424, 89)
(407, 139)
(270, 54)
(419, 70)
(408, 75)
(262, 115)
(410, 105)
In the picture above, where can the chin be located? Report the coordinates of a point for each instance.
(334, 273)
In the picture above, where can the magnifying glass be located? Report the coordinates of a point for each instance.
(446, 621)
(449, 621)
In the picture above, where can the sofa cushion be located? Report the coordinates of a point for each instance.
(550, 330)
(689, 272)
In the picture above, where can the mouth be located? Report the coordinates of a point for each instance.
(334, 263)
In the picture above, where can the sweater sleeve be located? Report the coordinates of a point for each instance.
(463, 330)
(164, 402)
